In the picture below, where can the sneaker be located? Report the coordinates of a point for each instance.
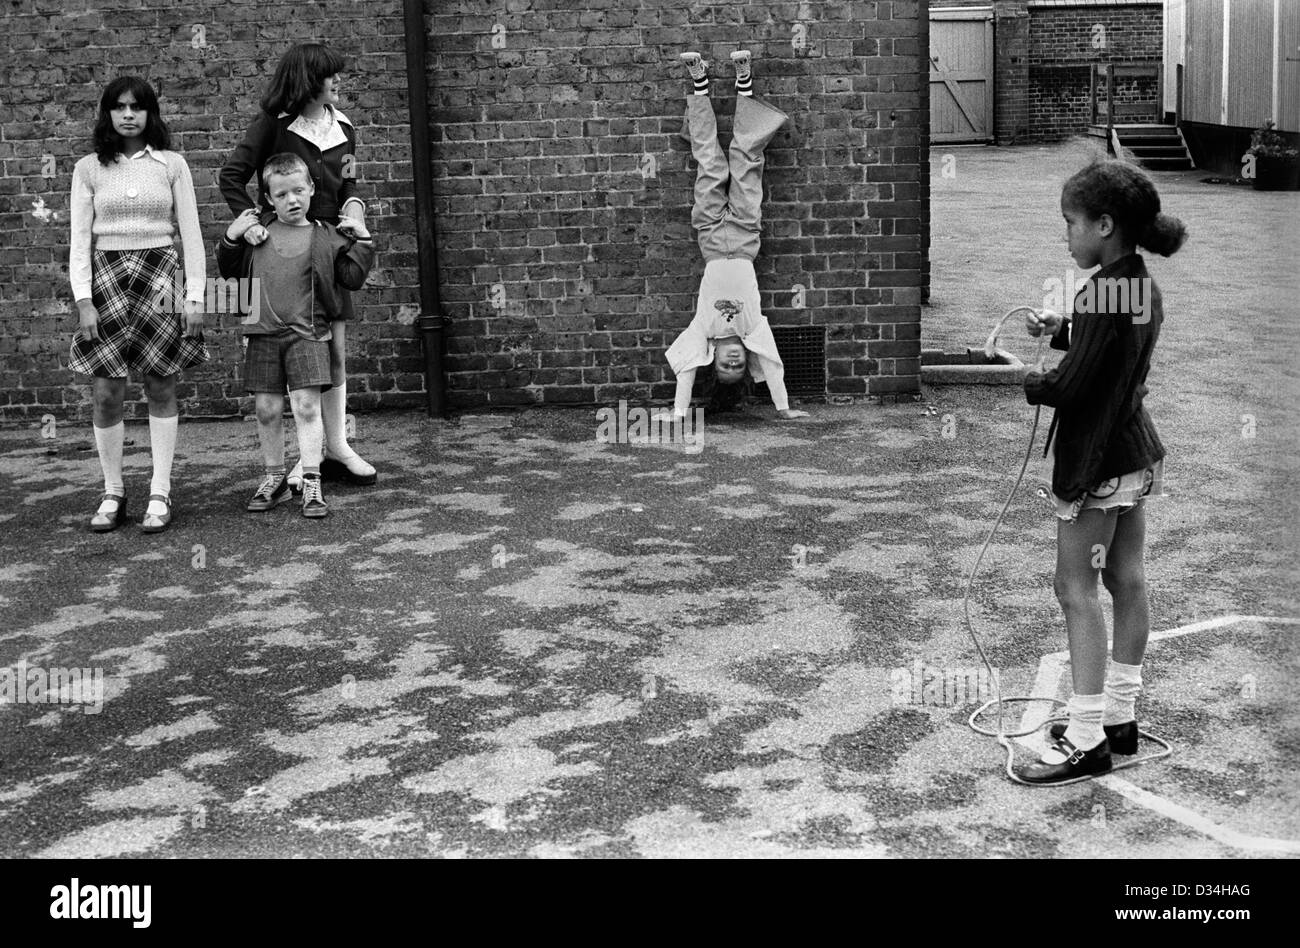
(313, 501)
(695, 65)
(740, 61)
(273, 491)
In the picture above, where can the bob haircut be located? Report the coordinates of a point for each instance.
(300, 77)
(108, 143)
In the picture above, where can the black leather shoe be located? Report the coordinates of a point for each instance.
(332, 470)
(103, 523)
(1077, 764)
(1122, 738)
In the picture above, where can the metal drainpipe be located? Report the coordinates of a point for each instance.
(431, 321)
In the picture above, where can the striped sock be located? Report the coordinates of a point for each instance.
(744, 75)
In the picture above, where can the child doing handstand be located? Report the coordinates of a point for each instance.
(729, 327)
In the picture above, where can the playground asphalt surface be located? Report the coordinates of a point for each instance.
(523, 641)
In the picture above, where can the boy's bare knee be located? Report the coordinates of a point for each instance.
(306, 405)
(269, 411)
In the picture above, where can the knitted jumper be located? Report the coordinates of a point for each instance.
(130, 205)
(1102, 428)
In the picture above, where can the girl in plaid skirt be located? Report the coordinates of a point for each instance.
(123, 268)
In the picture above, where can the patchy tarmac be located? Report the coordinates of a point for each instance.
(523, 641)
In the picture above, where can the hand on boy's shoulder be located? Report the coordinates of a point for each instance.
(350, 227)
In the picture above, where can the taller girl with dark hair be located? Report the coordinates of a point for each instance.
(1108, 457)
(123, 270)
(299, 116)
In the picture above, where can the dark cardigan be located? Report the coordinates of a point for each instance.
(1102, 430)
(339, 264)
(269, 136)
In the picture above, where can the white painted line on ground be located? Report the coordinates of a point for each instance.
(1189, 818)
(1050, 669)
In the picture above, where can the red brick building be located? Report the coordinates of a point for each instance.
(1041, 60)
(561, 186)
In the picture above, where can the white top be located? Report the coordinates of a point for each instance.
(731, 282)
(130, 205)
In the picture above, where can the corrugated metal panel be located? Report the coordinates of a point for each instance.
(1288, 93)
(1174, 51)
(1250, 62)
(1203, 81)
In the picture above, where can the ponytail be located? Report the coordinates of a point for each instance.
(1164, 235)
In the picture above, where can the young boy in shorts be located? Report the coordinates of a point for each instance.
(294, 279)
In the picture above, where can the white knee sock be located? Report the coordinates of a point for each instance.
(334, 415)
(1123, 685)
(109, 442)
(162, 443)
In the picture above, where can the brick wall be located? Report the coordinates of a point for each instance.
(566, 187)
(562, 186)
(1065, 40)
(1043, 50)
(209, 62)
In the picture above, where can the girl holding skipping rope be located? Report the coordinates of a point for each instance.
(1107, 456)
(123, 268)
(729, 334)
(299, 115)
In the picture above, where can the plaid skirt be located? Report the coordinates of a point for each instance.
(133, 290)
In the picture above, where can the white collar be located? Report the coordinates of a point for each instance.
(337, 115)
(331, 136)
(149, 153)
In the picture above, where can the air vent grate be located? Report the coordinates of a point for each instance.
(803, 350)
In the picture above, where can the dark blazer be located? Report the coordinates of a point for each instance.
(333, 172)
(1102, 429)
(338, 264)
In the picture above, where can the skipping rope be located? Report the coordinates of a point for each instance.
(1003, 737)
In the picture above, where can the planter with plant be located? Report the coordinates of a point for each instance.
(1274, 158)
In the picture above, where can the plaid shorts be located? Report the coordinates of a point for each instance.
(135, 330)
(274, 362)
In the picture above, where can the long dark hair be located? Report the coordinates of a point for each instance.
(108, 144)
(300, 77)
(724, 396)
(1125, 193)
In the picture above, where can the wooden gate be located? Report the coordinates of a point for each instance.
(961, 74)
